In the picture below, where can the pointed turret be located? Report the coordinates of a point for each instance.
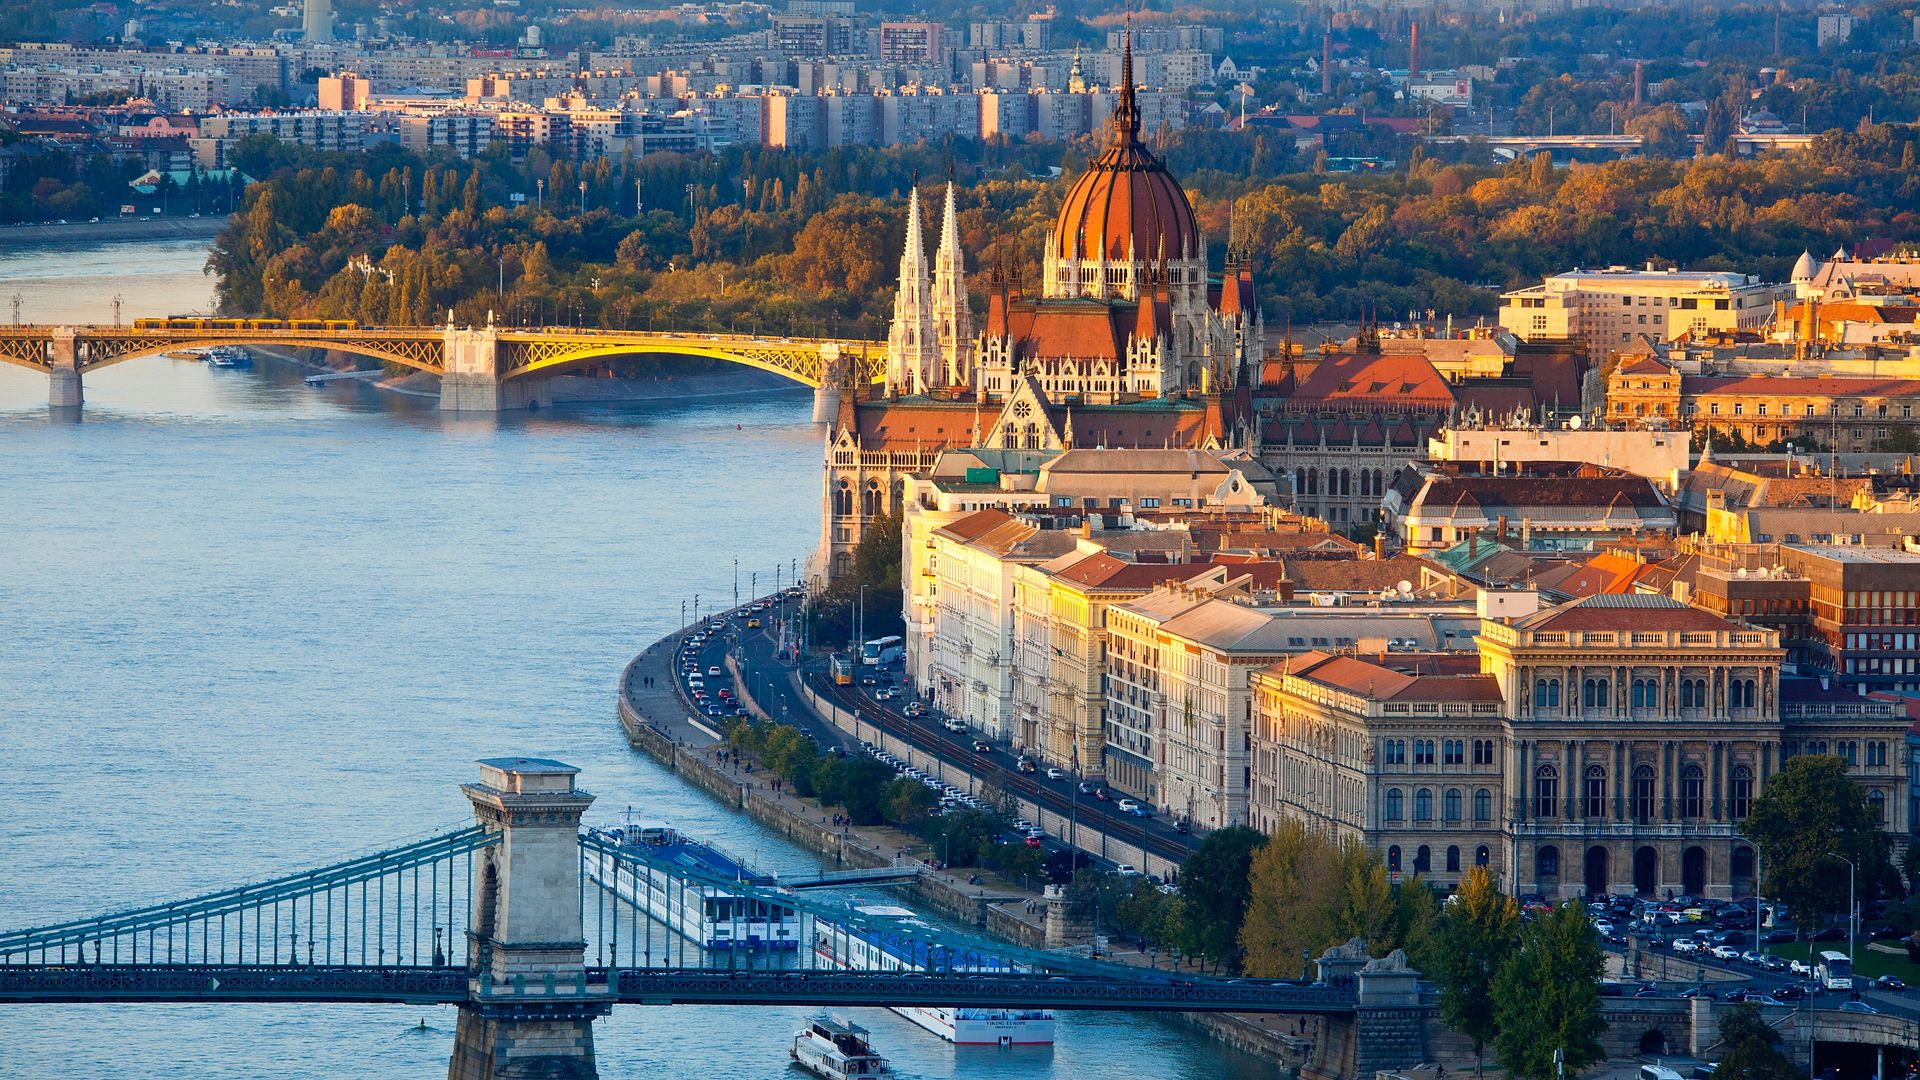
(913, 348)
(952, 318)
(1146, 324)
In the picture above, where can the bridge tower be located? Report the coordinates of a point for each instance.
(63, 379)
(530, 1009)
(826, 396)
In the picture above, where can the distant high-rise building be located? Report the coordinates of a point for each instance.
(316, 23)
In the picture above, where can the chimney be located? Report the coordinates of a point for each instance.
(1500, 529)
(1379, 546)
(1413, 52)
(1326, 62)
(1639, 82)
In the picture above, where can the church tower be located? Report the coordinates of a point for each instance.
(913, 347)
(952, 317)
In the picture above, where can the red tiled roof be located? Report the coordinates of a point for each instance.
(974, 525)
(1082, 329)
(1629, 611)
(1798, 386)
(1643, 365)
(1403, 378)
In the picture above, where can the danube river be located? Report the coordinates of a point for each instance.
(247, 627)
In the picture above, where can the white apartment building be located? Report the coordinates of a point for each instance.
(1660, 456)
(1611, 308)
(341, 131)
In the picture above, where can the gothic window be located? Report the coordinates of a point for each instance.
(1546, 791)
(1693, 792)
(870, 500)
(1643, 794)
(1483, 805)
(843, 500)
(1740, 793)
(1396, 805)
(1593, 794)
(1423, 805)
(1450, 804)
(1546, 693)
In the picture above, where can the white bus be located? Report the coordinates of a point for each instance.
(1834, 971)
(883, 651)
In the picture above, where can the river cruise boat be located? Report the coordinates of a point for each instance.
(836, 1050)
(841, 946)
(706, 915)
(228, 356)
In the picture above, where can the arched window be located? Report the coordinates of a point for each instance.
(1593, 794)
(1643, 794)
(1546, 791)
(1593, 693)
(1693, 693)
(1453, 859)
(1393, 859)
(1396, 805)
(1646, 694)
(870, 499)
(1450, 804)
(1740, 793)
(1423, 805)
(1741, 693)
(1482, 856)
(1546, 693)
(1483, 805)
(843, 500)
(1877, 803)
(1693, 792)
(1546, 862)
(1422, 860)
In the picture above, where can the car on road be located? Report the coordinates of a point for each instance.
(1778, 937)
(1126, 870)
(1026, 765)
(953, 725)
(982, 746)
(1054, 773)
(1789, 992)
(1725, 952)
(1658, 1072)
(915, 709)
(1104, 794)
(1180, 826)
(1088, 787)
(1857, 1007)
(1799, 967)
(1684, 946)
(1890, 982)
(1774, 963)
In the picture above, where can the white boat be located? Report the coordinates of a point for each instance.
(842, 947)
(836, 1050)
(706, 915)
(228, 356)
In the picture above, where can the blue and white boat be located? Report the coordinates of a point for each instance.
(228, 356)
(709, 916)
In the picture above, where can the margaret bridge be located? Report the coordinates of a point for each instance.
(556, 932)
(481, 369)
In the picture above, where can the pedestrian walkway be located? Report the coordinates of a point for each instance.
(653, 693)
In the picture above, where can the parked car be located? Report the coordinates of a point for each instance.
(1126, 870)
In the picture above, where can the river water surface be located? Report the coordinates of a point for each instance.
(248, 627)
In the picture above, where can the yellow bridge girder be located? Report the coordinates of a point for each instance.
(518, 353)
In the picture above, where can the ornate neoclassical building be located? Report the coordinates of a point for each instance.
(1131, 342)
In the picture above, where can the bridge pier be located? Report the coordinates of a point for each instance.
(530, 1011)
(472, 382)
(63, 381)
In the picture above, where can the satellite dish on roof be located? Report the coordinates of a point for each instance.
(1574, 422)
(1405, 587)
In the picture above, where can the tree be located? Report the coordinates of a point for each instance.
(1547, 996)
(1810, 812)
(1479, 931)
(1285, 917)
(1215, 891)
(1751, 1048)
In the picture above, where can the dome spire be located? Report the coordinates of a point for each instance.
(1126, 114)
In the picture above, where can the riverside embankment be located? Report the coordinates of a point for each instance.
(659, 723)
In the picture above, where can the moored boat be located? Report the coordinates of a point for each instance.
(709, 916)
(836, 1050)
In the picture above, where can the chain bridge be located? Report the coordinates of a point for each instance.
(483, 369)
(534, 927)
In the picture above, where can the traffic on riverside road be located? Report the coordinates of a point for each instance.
(763, 656)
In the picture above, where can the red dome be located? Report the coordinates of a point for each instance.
(1126, 203)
